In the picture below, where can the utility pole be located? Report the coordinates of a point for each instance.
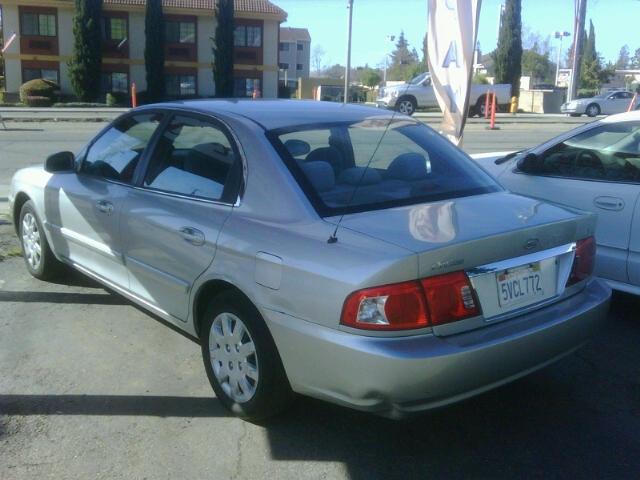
(578, 40)
(348, 69)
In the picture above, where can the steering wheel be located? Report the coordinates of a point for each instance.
(588, 159)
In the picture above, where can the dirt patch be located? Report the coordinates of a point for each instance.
(9, 244)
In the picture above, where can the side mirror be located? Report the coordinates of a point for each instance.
(426, 83)
(529, 163)
(60, 162)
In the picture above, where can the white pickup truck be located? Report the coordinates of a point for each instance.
(418, 93)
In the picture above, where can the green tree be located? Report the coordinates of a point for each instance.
(86, 60)
(593, 74)
(508, 54)
(223, 50)
(623, 58)
(335, 71)
(634, 62)
(154, 32)
(370, 78)
(402, 60)
(537, 65)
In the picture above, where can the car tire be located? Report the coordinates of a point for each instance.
(250, 382)
(593, 110)
(37, 255)
(480, 106)
(406, 105)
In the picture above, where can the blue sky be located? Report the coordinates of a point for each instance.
(616, 23)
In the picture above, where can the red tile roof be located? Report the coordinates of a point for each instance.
(245, 6)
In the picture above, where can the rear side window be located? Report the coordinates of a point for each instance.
(196, 158)
(117, 152)
(366, 166)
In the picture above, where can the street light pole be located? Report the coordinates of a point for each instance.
(561, 36)
(348, 69)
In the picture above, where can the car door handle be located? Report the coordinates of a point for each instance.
(609, 203)
(105, 207)
(192, 235)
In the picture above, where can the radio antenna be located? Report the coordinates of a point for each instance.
(334, 236)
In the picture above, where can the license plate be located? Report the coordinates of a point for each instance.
(522, 285)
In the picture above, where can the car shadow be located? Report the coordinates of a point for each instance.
(138, 405)
(62, 297)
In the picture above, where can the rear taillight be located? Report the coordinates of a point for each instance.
(450, 298)
(400, 306)
(409, 305)
(584, 260)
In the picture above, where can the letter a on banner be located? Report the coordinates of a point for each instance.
(453, 29)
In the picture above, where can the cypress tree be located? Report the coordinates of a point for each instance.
(223, 50)
(154, 34)
(86, 61)
(508, 54)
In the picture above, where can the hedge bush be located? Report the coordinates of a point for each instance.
(39, 87)
(37, 101)
(117, 99)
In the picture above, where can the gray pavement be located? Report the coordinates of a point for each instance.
(93, 387)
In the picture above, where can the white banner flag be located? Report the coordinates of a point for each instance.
(453, 28)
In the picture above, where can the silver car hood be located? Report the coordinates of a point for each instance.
(467, 232)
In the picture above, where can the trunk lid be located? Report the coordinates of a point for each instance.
(464, 233)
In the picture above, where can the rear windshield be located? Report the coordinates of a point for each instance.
(354, 167)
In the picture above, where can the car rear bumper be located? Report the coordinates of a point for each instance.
(403, 375)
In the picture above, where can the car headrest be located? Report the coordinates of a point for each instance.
(360, 176)
(408, 166)
(320, 174)
(297, 147)
(331, 155)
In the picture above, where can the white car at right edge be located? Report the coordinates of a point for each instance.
(607, 103)
(595, 167)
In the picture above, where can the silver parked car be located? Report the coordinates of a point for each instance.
(334, 251)
(606, 103)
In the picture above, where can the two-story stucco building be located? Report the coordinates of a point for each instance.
(44, 44)
(295, 54)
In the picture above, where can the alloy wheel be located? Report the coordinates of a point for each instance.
(233, 357)
(405, 107)
(31, 241)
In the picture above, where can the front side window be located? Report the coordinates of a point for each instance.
(609, 152)
(350, 167)
(193, 157)
(180, 32)
(116, 153)
(39, 24)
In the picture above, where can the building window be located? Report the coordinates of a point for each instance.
(247, 36)
(284, 47)
(115, 82)
(300, 47)
(298, 66)
(181, 32)
(283, 66)
(244, 87)
(115, 28)
(46, 73)
(39, 24)
(180, 85)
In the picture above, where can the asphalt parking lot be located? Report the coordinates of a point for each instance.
(93, 387)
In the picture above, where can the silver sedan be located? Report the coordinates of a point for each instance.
(340, 252)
